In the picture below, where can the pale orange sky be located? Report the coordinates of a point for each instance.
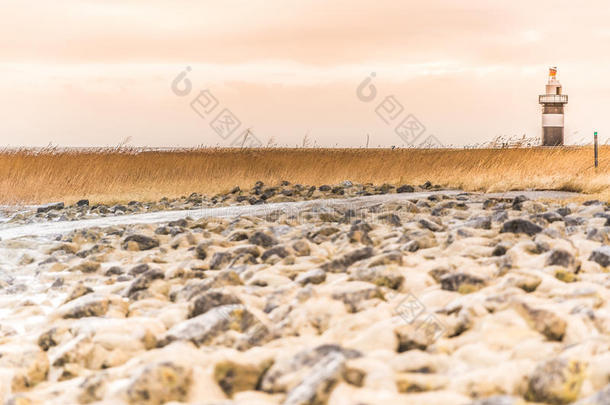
(81, 72)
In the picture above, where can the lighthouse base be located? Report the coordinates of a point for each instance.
(552, 136)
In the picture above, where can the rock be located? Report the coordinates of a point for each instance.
(86, 306)
(342, 263)
(359, 233)
(526, 281)
(556, 381)
(211, 299)
(601, 397)
(391, 219)
(324, 233)
(220, 260)
(499, 400)
(319, 383)
(278, 251)
(479, 223)
(301, 248)
(432, 226)
(545, 322)
(354, 293)
(420, 382)
(82, 203)
(520, 225)
(418, 333)
(405, 189)
(461, 282)
(381, 276)
(288, 372)
(262, 239)
(235, 377)
(551, 216)
(139, 269)
(500, 249)
(50, 207)
(86, 267)
(50, 338)
(78, 291)
(315, 276)
(159, 383)
(499, 216)
(114, 271)
(573, 220)
(394, 257)
(93, 388)
(560, 257)
(518, 202)
(203, 328)
(144, 281)
(601, 256)
(29, 363)
(139, 242)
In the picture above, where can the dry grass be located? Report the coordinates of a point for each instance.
(120, 175)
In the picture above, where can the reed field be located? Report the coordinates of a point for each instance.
(124, 174)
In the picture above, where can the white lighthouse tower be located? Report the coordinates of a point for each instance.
(552, 111)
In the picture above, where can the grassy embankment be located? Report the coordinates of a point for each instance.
(113, 175)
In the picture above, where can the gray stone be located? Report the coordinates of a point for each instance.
(319, 383)
(144, 280)
(342, 263)
(601, 397)
(220, 260)
(86, 306)
(50, 207)
(479, 223)
(601, 255)
(381, 276)
(498, 400)
(545, 322)
(499, 216)
(211, 299)
(433, 226)
(278, 251)
(159, 383)
(262, 239)
(405, 189)
(520, 225)
(461, 282)
(556, 381)
(301, 248)
(274, 379)
(201, 251)
(141, 241)
(204, 328)
(315, 276)
(354, 293)
(551, 216)
(560, 257)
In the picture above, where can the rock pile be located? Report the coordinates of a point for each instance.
(448, 300)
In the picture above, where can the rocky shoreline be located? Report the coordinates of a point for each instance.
(258, 194)
(448, 299)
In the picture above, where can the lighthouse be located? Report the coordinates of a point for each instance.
(552, 111)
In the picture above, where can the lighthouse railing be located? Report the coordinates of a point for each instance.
(553, 99)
